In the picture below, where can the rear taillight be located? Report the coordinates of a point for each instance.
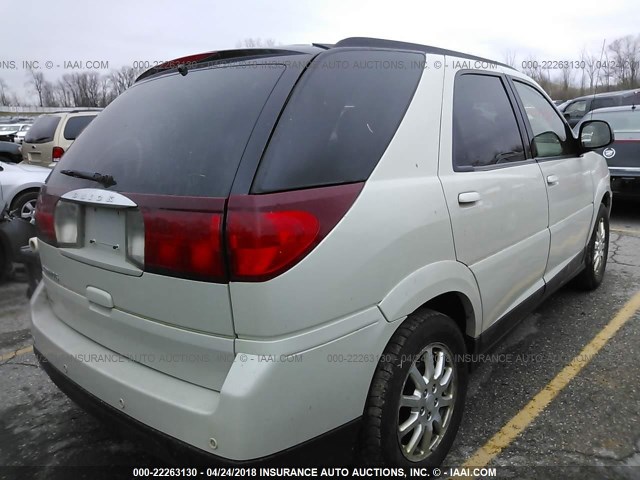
(269, 234)
(187, 244)
(266, 243)
(45, 208)
(57, 153)
(188, 237)
(177, 236)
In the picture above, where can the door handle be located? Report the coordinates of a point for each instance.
(468, 197)
(552, 180)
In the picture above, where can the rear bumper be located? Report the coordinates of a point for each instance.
(625, 182)
(625, 172)
(332, 448)
(266, 406)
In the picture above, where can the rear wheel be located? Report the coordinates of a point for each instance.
(597, 250)
(417, 394)
(25, 204)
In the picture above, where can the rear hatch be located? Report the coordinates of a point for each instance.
(134, 259)
(38, 144)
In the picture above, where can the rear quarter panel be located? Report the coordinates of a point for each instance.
(399, 224)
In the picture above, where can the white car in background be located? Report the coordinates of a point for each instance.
(20, 134)
(20, 185)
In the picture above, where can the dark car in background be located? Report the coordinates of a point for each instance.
(623, 155)
(10, 152)
(574, 110)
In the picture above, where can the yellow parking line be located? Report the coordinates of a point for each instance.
(544, 397)
(17, 353)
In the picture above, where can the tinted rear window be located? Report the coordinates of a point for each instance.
(43, 129)
(625, 121)
(339, 120)
(75, 126)
(174, 135)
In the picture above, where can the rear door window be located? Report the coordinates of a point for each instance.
(75, 126)
(621, 121)
(485, 130)
(174, 134)
(43, 129)
(339, 120)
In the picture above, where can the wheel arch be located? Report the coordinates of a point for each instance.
(30, 188)
(448, 287)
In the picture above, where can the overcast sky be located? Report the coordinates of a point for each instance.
(120, 32)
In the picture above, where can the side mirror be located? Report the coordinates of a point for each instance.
(567, 116)
(595, 134)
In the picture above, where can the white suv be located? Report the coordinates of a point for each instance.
(51, 135)
(345, 223)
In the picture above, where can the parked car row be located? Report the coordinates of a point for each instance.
(14, 132)
(22, 169)
(19, 188)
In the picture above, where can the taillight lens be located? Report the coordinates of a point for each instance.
(45, 207)
(57, 153)
(264, 243)
(185, 244)
(67, 223)
(269, 234)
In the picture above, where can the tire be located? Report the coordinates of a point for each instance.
(598, 248)
(25, 204)
(381, 442)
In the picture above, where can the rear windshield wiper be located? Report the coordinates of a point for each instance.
(106, 180)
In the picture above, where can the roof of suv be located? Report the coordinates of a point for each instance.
(606, 94)
(253, 53)
(624, 108)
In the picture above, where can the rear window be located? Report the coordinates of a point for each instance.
(75, 126)
(43, 129)
(626, 121)
(174, 135)
(339, 120)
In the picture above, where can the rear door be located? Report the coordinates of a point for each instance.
(567, 176)
(135, 262)
(495, 192)
(39, 140)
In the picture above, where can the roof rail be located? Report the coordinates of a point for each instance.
(393, 44)
(80, 109)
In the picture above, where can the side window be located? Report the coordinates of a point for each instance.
(551, 136)
(75, 126)
(605, 102)
(577, 109)
(485, 131)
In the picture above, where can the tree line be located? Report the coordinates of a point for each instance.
(614, 66)
(78, 89)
